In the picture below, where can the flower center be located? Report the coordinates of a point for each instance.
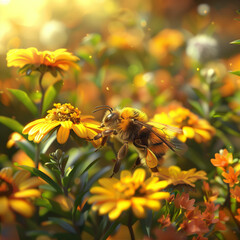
(64, 112)
(6, 188)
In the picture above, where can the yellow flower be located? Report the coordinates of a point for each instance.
(192, 126)
(64, 117)
(13, 138)
(131, 191)
(15, 194)
(176, 176)
(33, 59)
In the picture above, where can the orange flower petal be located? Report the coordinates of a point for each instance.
(27, 193)
(22, 207)
(63, 134)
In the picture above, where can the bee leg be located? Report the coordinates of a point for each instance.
(121, 154)
(150, 157)
(104, 133)
(104, 140)
(137, 163)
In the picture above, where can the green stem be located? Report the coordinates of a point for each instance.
(42, 91)
(130, 227)
(37, 155)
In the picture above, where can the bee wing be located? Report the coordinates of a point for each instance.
(165, 127)
(166, 134)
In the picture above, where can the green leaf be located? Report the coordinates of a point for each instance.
(98, 79)
(200, 94)
(12, 124)
(27, 147)
(64, 224)
(235, 42)
(110, 230)
(197, 106)
(42, 175)
(51, 94)
(235, 73)
(92, 39)
(25, 100)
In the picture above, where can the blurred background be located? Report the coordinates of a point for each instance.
(136, 53)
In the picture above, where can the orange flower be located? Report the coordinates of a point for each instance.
(31, 59)
(165, 42)
(222, 159)
(184, 202)
(235, 193)
(210, 194)
(21, 158)
(231, 177)
(238, 216)
(16, 192)
(64, 117)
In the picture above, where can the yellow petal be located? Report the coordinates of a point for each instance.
(108, 183)
(67, 124)
(48, 127)
(30, 183)
(80, 130)
(7, 171)
(139, 175)
(123, 204)
(62, 134)
(138, 210)
(204, 134)
(22, 207)
(38, 137)
(99, 198)
(4, 205)
(182, 137)
(152, 204)
(157, 185)
(21, 176)
(159, 195)
(106, 207)
(27, 193)
(31, 124)
(114, 214)
(100, 190)
(125, 174)
(188, 132)
(36, 128)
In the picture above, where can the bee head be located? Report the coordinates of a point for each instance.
(110, 118)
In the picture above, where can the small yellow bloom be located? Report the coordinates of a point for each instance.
(66, 118)
(131, 191)
(16, 192)
(59, 60)
(176, 176)
(13, 138)
(192, 126)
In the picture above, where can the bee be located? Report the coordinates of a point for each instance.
(131, 126)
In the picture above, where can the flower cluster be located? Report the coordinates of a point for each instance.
(192, 126)
(63, 117)
(230, 173)
(132, 191)
(16, 192)
(176, 176)
(31, 59)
